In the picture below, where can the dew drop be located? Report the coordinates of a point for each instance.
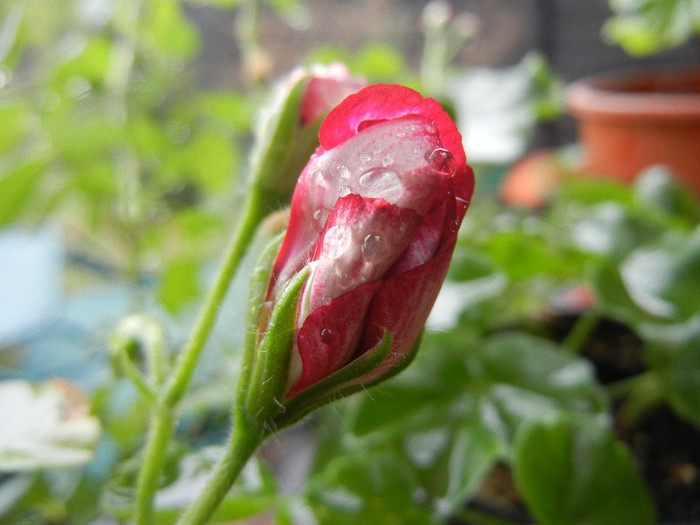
(318, 178)
(365, 158)
(328, 337)
(373, 248)
(343, 171)
(381, 183)
(320, 217)
(343, 191)
(431, 128)
(337, 241)
(388, 160)
(442, 161)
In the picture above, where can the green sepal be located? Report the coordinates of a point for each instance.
(282, 147)
(268, 378)
(259, 284)
(343, 382)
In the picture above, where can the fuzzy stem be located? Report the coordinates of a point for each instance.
(244, 441)
(161, 430)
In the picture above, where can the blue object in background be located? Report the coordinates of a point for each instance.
(31, 281)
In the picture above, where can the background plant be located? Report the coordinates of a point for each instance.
(106, 130)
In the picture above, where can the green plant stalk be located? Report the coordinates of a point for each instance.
(162, 428)
(245, 439)
(581, 331)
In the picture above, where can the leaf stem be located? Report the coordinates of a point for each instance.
(245, 439)
(161, 431)
(581, 331)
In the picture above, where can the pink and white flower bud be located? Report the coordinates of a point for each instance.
(374, 217)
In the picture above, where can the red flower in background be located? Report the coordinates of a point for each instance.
(374, 217)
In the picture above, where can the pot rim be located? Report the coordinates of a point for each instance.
(646, 94)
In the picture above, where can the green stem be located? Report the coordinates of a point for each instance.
(581, 332)
(162, 428)
(147, 482)
(244, 441)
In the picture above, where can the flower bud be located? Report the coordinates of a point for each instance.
(374, 221)
(287, 132)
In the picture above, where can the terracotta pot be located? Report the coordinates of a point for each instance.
(629, 121)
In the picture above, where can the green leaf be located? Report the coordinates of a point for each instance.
(578, 474)
(474, 452)
(372, 489)
(644, 27)
(507, 380)
(673, 353)
(179, 284)
(16, 121)
(170, 30)
(210, 159)
(17, 189)
(379, 62)
(657, 190)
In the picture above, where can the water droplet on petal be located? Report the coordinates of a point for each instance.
(328, 337)
(388, 160)
(343, 171)
(336, 241)
(430, 128)
(343, 191)
(380, 183)
(320, 218)
(373, 248)
(317, 178)
(442, 161)
(365, 158)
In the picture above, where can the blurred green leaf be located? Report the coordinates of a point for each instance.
(170, 31)
(16, 120)
(379, 62)
(373, 489)
(474, 452)
(657, 190)
(230, 107)
(17, 189)
(179, 284)
(579, 474)
(643, 27)
(210, 160)
(673, 353)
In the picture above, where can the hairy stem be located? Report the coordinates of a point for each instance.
(161, 430)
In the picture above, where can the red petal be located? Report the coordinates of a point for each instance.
(329, 336)
(403, 304)
(387, 101)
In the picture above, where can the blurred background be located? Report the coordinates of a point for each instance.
(125, 129)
